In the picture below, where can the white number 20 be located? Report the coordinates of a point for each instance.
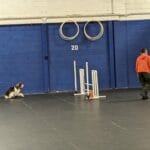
(74, 47)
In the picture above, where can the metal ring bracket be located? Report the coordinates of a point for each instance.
(96, 37)
(63, 36)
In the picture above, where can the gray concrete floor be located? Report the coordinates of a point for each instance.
(65, 122)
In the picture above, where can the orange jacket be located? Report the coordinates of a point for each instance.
(143, 63)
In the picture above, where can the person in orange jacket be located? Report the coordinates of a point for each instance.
(143, 71)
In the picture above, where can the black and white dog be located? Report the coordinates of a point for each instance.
(14, 91)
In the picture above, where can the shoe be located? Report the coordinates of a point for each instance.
(145, 97)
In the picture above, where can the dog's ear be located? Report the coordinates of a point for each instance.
(22, 85)
(18, 84)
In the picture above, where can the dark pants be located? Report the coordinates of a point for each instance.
(144, 79)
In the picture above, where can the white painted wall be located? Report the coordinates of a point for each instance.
(54, 8)
(132, 9)
(41, 11)
(138, 6)
(119, 7)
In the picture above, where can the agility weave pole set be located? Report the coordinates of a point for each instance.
(91, 90)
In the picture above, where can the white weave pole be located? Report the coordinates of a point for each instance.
(97, 88)
(92, 74)
(82, 81)
(101, 96)
(75, 76)
(87, 78)
(96, 85)
(93, 83)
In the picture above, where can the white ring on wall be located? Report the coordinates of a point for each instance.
(96, 37)
(63, 36)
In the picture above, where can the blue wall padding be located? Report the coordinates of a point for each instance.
(120, 42)
(61, 57)
(129, 38)
(21, 58)
(37, 56)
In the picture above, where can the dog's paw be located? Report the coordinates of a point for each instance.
(6, 97)
(21, 94)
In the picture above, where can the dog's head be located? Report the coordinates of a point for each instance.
(19, 85)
